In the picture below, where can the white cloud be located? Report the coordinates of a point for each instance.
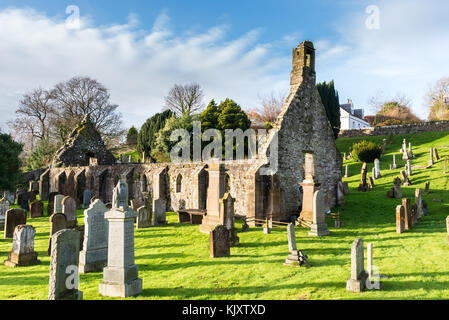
(138, 66)
(405, 55)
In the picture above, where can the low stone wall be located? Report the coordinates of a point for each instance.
(395, 130)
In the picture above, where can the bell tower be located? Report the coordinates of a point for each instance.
(303, 63)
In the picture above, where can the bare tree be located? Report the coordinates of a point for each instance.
(270, 108)
(34, 116)
(437, 99)
(185, 99)
(80, 96)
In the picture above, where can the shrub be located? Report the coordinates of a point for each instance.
(366, 151)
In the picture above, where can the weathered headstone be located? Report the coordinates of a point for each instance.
(377, 169)
(427, 188)
(346, 171)
(384, 145)
(31, 196)
(266, 227)
(410, 151)
(4, 206)
(363, 185)
(58, 203)
(408, 214)
(431, 157)
(371, 184)
(219, 242)
(120, 276)
(357, 282)
(69, 210)
(94, 255)
(369, 260)
(418, 201)
(58, 222)
(87, 195)
(295, 257)
(22, 253)
(159, 215)
(319, 226)
(309, 186)
(394, 166)
(36, 209)
(227, 212)
(44, 185)
(400, 219)
(405, 179)
(63, 284)
(397, 188)
(24, 200)
(409, 168)
(373, 173)
(14, 218)
(144, 218)
(436, 157)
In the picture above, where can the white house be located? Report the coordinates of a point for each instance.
(351, 118)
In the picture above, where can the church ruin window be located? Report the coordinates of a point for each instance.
(179, 184)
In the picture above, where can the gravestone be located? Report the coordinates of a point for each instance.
(418, 201)
(357, 281)
(410, 151)
(219, 242)
(405, 155)
(309, 186)
(345, 187)
(397, 188)
(340, 194)
(22, 253)
(424, 208)
(431, 157)
(373, 173)
(384, 145)
(369, 260)
(58, 203)
(371, 184)
(10, 197)
(427, 188)
(409, 168)
(408, 214)
(24, 197)
(215, 192)
(14, 218)
(394, 166)
(346, 171)
(4, 206)
(377, 169)
(319, 226)
(363, 185)
(227, 212)
(44, 185)
(94, 255)
(266, 227)
(87, 195)
(120, 276)
(144, 218)
(436, 157)
(295, 257)
(31, 196)
(36, 209)
(405, 179)
(400, 219)
(58, 222)
(159, 216)
(69, 210)
(63, 284)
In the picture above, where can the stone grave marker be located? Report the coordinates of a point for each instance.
(431, 157)
(377, 169)
(363, 185)
(219, 242)
(227, 212)
(120, 276)
(36, 209)
(405, 179)
(394, 166)
(58, 203)
(418, 202)
(400, 219)
(159, 215)
(94, 255)
(371, 184)
(410, 151)
(397, 188)
(14, 218)
(63, 284)
(87, 195)
(345, 187)
(409, 168)
(346, 171)
(436, 157)
(69, 210)
(24, 200)
(4, 206)
(22, 253)
(408, 214)
(427, 188)
(357, 281)
(58, 222)
(340, 194)
(319, 226)
(295, 257)
(144, 218)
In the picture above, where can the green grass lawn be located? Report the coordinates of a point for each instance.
(174, 260)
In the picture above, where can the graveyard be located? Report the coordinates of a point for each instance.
(174, 261)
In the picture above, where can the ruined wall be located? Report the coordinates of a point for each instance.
(395, 130)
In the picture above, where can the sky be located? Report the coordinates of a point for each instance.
(233, 49)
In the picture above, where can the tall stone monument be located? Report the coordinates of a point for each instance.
(309, 187)
(319, 226)
(120, 276)
(215, 192)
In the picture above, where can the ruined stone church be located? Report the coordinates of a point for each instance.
(302, 128)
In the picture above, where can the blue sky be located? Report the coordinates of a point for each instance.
(237, 49)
